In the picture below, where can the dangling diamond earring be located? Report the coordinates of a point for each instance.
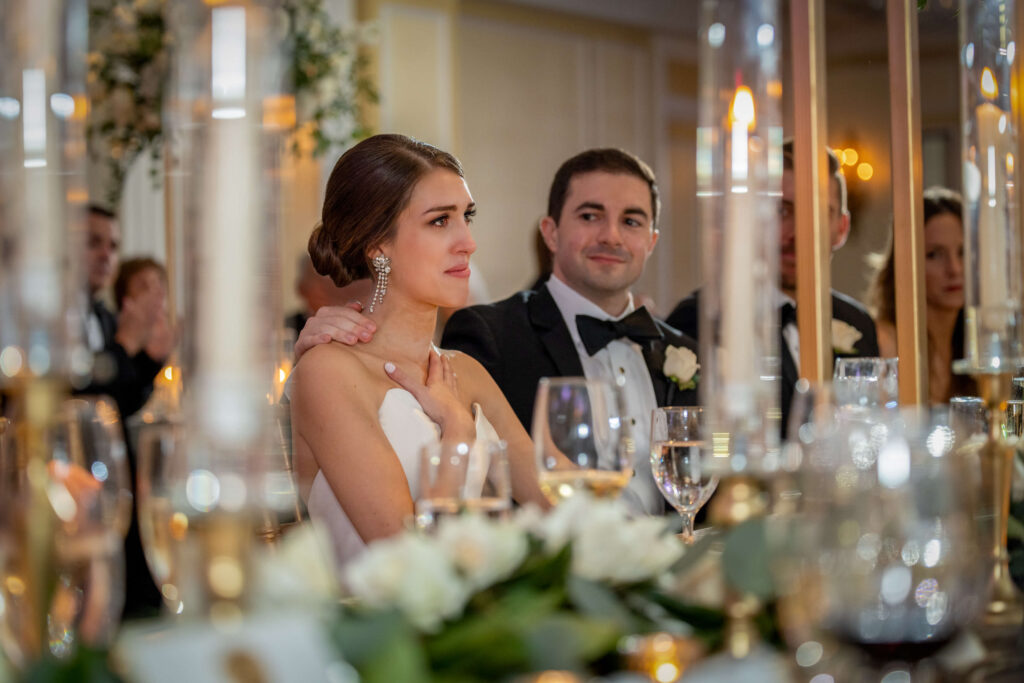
(381, 264)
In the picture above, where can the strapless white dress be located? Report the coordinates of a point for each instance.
(408, 429)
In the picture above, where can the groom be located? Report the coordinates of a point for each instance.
(601, 227)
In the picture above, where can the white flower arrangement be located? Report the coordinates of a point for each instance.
(128, 66)
(681, 367)
(844, 337)
(430, 579)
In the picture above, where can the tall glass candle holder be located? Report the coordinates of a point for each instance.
(992, 248)
(229, 68)
(42, 200)
(992, 242)
(739, 180)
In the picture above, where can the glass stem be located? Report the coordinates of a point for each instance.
(687, 532)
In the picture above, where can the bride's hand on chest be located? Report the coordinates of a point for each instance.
(439, 396)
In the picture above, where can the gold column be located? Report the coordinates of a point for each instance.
(814, 281)
(908, 221)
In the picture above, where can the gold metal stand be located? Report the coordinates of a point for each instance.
(1005, 605)
(739, 498)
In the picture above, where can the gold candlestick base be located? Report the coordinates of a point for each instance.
(739, 498)
(1005, 604)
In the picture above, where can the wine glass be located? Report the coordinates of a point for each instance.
(866, 382)
(161, 467)
(676, 462)
(890, 563)
(457, 477)
(580, 439)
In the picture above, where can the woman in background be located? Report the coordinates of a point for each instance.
(944, 295)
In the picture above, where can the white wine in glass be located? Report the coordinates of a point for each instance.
(676, 463)
(579, 437)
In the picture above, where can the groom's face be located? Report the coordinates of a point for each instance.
(602, 240)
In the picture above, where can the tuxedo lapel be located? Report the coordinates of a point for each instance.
(554, 335)
(654, 356)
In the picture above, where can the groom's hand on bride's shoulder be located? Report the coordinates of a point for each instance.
(345, 324)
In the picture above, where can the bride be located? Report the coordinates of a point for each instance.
(398, 211)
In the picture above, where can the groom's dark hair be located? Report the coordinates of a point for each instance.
(608, 160)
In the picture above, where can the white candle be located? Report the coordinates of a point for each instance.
(992, 122)
(228, 252)
(738, 316)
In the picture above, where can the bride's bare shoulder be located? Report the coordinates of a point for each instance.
(332, 368)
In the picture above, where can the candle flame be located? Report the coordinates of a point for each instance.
(742, 110)
(988, 84)
(1009, 164)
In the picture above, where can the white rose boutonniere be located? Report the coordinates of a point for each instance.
(681, 367)
(844, 337)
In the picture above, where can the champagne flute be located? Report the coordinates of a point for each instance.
(161, 467)
(676, 462)
(579, 438)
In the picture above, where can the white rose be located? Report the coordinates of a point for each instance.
(844, 337)
(301, 568)
(605, 547)
(681, 366)
(484, 551)
(410, 573)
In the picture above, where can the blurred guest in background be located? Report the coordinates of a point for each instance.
(130, 347)
(944, 294)
(316, 291)
(853, 330)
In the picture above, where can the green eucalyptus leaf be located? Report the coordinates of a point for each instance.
(745, 561)
(567, 642)
(597, 600)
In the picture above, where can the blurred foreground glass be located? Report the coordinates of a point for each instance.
(462, 477)
(580, 439)
(676, 462)
(91, 494)
(884, 554)
(87, 488)
(866, 382)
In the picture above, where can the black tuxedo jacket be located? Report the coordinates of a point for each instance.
(686, 317)
(523, 338)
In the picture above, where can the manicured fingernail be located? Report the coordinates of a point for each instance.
(365, 336)
(389, 367)
(350, 339)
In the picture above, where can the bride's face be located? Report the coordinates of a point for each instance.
(432, 244)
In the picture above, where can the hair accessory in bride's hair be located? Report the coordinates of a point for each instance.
(381, 264)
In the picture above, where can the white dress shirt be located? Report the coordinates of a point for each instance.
(790, 332)
(621, 362)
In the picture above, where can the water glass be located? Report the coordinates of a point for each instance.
(866, 382)
(581, 440)
(462, 477)
(889, 559)
(676, 442)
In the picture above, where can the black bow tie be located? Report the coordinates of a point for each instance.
(596, 334)
(787, 315)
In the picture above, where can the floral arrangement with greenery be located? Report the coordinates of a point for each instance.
(128, 65)
(484, 599)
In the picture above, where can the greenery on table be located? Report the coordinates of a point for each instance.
(130, 51)
(561, 602)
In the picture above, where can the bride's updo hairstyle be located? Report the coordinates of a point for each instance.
(368, 189)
